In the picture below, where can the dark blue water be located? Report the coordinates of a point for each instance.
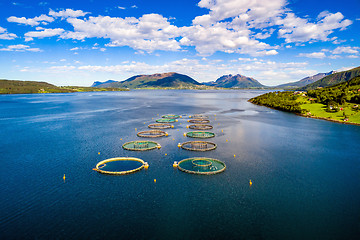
(305, 172)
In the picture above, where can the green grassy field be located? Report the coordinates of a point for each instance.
(320, 110)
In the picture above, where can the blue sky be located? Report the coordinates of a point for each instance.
(273, 41)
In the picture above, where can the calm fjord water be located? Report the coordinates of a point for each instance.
(305, 172)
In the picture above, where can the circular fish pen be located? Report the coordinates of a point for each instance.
(120, 165)
(141, 145)
(200, 127)
(199, 120)
(201, 165)
(200, 146)
(160, 126)
(171, 116)
(165, 120)
(199, 116)
(200, 134)
(152, 133)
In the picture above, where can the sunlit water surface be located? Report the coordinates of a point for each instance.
(305, 172)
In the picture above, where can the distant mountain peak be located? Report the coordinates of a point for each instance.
(235, 81)
(167, 80)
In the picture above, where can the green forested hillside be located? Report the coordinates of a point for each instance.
(333, 79)
(160, 80)
(338, 103)
(22, 87)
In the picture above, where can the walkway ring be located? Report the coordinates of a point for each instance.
(200, 134)
(98, 168)
(200, 146)
(160, 126)
(204, 172)
(141, 145)
(165, 120)
(171, 116)
(200, 127)
(199, 120)
(200, 116)
(152, 134)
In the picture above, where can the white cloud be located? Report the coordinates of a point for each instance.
(42, 19)
(44, 33)
(20, 48)
(296, 29)
(313, 55)
(4, 35)
(122, 8)
(68, 13)
(148, 33)
(353, 56)
(350, 50)
(134, 6)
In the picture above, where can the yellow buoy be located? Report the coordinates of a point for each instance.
(187, 126)
(64, 177)
(184, 134)
(173, 139)
(154, 180)
(159, 146)
(175, 164)
(226, 140)
(98, 153)
(166, 134)
(215, 119)
(234, 155)
(135, 129)
(189, 116)
(165, 154)
(180, 116)
(144, 122)
(172, 126)
(222, 130)
(146, 165)
(179, 145)
(250, 182)
(176, 120)
(215, 115)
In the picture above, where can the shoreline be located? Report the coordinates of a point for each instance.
(314, 117)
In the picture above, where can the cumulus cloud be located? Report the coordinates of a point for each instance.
(296, 29)
(148, 33)
(231, 26)
(20, 48)
(68, 13)
(4, 35)
(43, 33)
(349, 50)
(319, 55)
(42, 19)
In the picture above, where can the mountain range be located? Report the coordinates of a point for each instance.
(305, 81)
(333, 79)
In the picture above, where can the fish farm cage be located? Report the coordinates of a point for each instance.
(166, 120)
(199, 120)
(200, 134)
(200, 127)
(171, 116)
(141, 145)
(200, 146)
(201, 165)
(160, 126)
(199, 116)
(152, 133)
(120, 165)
